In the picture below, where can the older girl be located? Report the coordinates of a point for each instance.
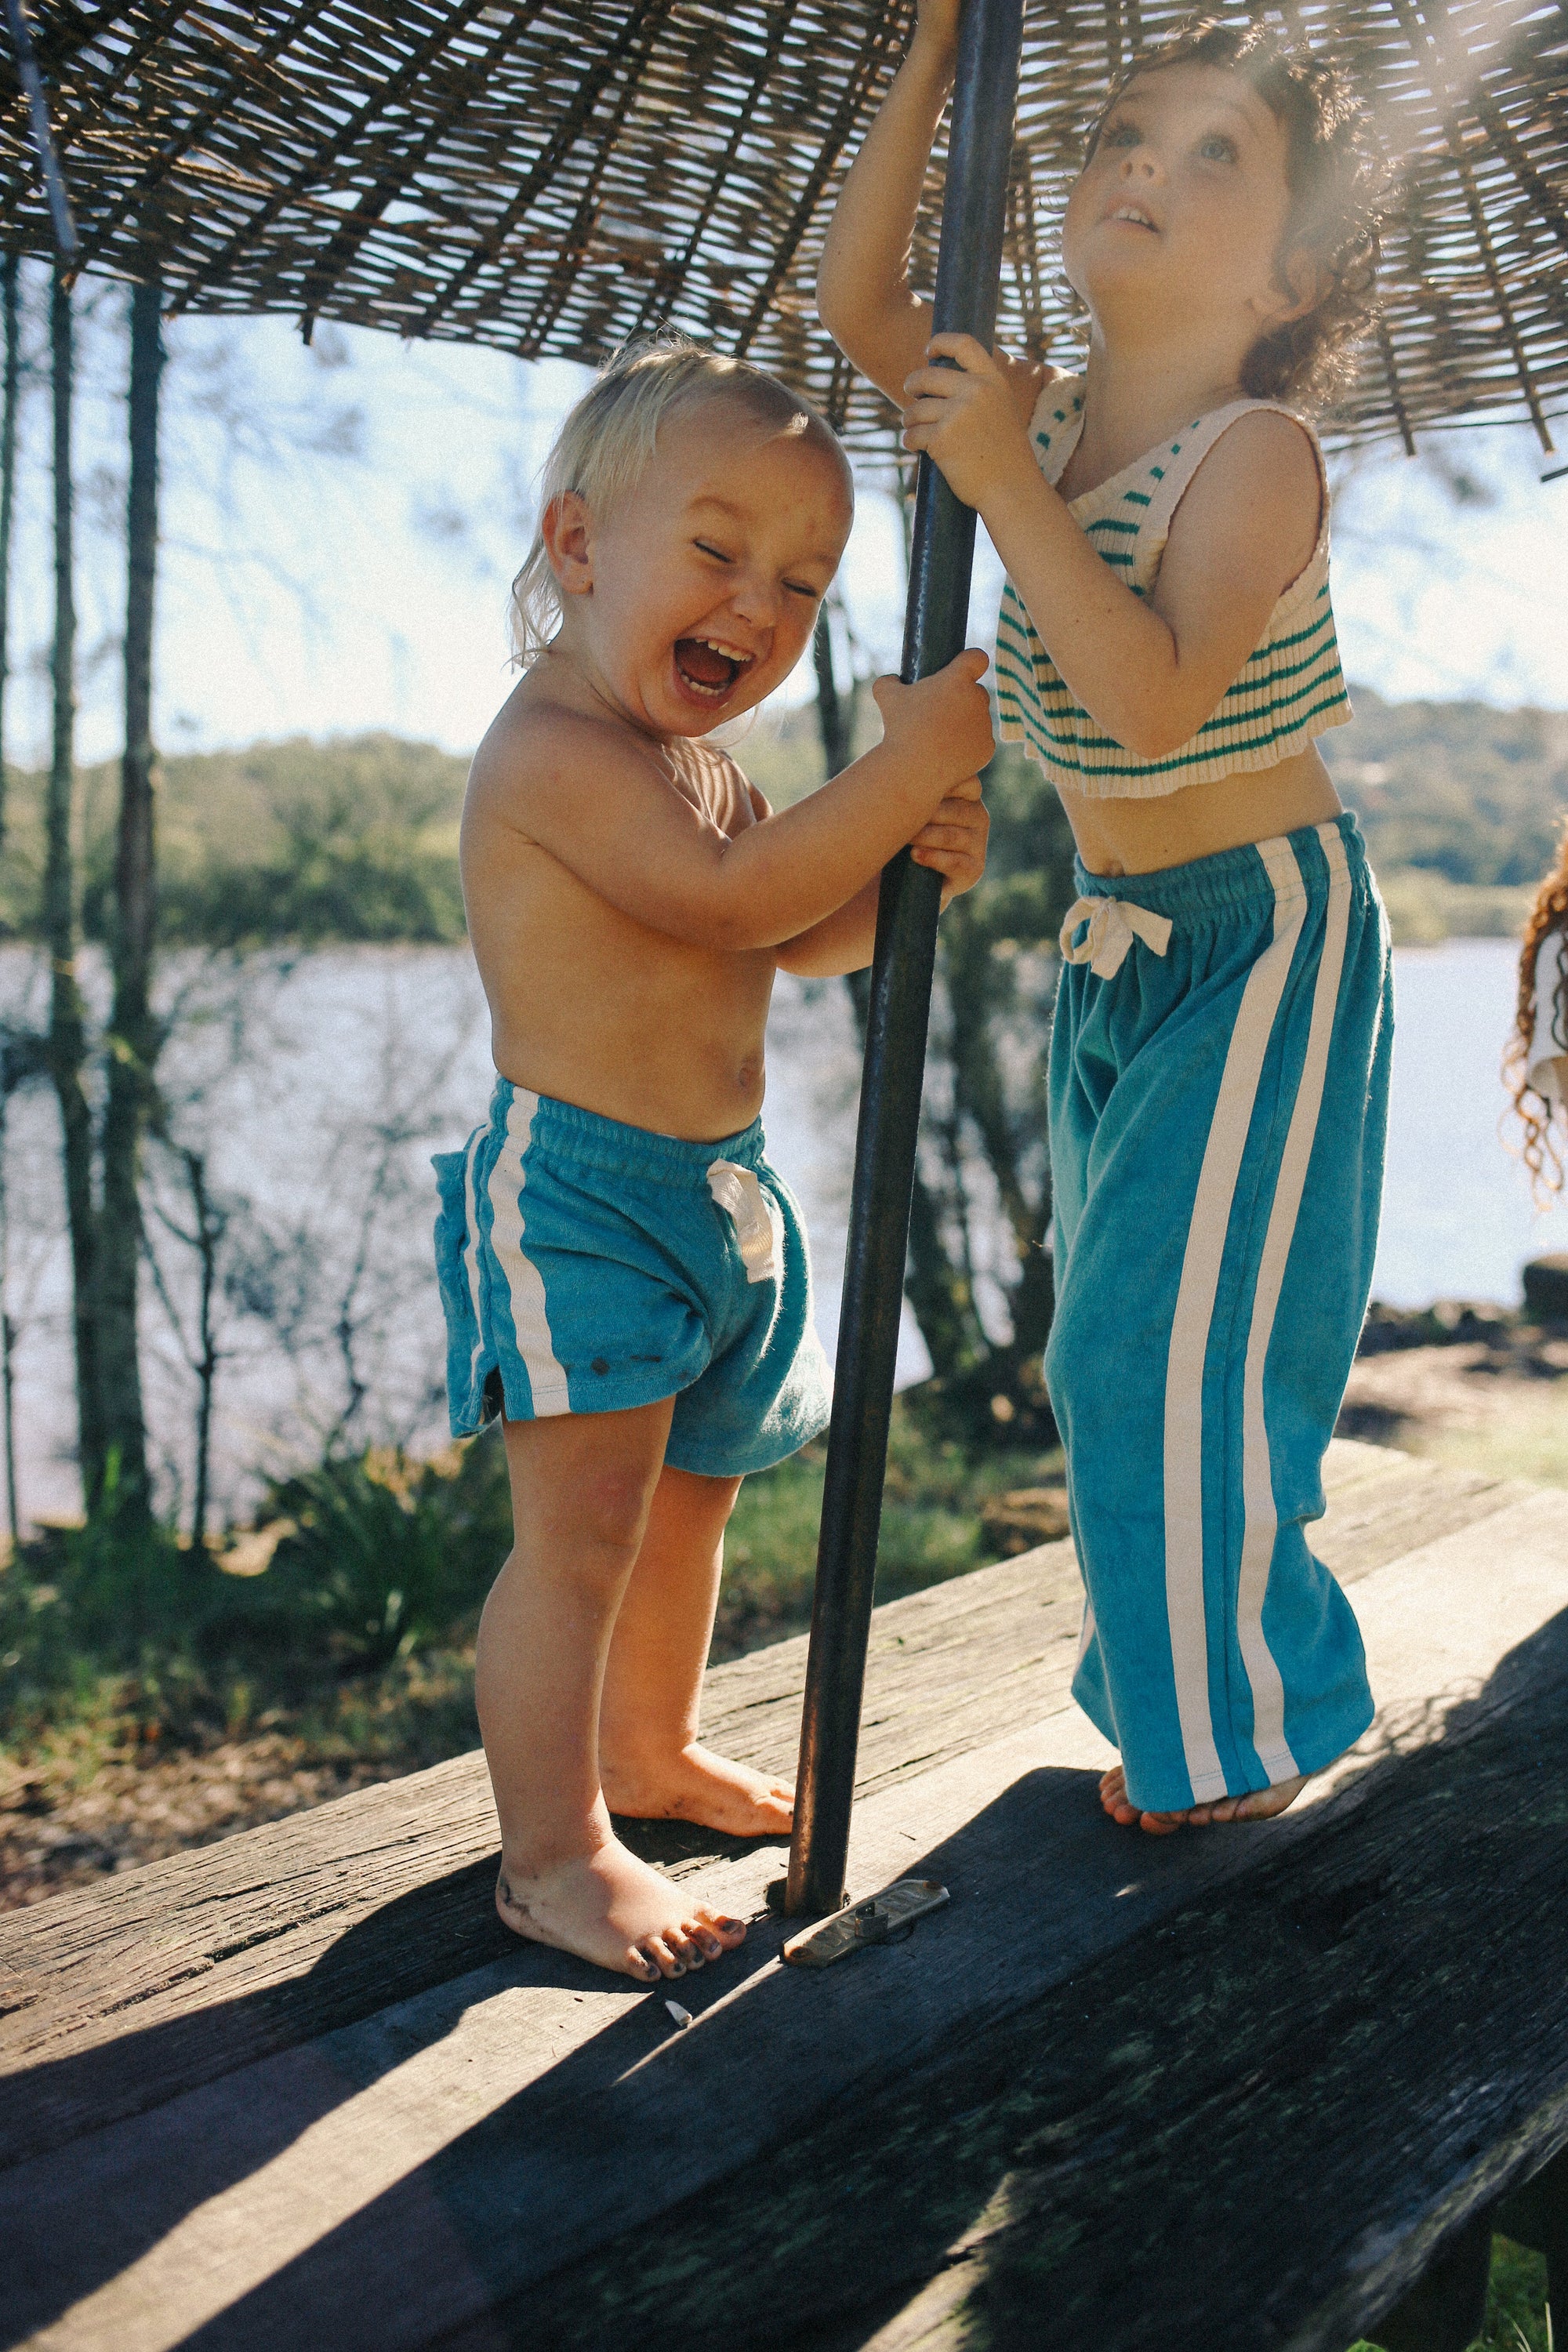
(1219, 1064)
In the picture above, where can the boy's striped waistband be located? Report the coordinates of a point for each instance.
(566, 1131)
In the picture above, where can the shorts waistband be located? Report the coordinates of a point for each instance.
(1255, 874)
(566, 1131)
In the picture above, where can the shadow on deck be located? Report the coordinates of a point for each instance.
(1233, 2089)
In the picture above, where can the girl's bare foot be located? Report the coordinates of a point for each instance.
(1256, 1807)
(612, 1909)
(695, 1785)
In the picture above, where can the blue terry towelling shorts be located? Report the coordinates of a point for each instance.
(588, 1267)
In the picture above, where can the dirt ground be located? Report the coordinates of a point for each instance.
(69, 1818)
(1473, 1387)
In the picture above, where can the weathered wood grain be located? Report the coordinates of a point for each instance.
(1252, 2125)
(452, 2151)
(288, 1931)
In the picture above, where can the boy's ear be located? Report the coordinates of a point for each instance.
(1300, 285)
(565, 527)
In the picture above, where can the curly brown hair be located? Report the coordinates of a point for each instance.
(1540, 1150)
(1336, 178)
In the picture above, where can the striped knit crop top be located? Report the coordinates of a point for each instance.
(1290, 689)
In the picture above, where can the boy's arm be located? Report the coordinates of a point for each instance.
(952, 844)
(1150, 671)
(863, 294)
(596, 800)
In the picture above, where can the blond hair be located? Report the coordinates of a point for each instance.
(608, 437)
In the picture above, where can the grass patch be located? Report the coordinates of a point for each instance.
(1531, 1441)
(931, 1527)
(1516, 2304)
(343, 1622)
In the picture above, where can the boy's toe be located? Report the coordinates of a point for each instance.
(642, 1965)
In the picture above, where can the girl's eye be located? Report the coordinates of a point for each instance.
(1217, 149)
(716, 552)
(804, 588)
(1123, 132)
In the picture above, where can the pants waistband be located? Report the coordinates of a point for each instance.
(1254, 875)
(566, 1131)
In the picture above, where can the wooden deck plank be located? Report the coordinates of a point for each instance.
(1260, 2121)
(293, 1929)
(466, 2142)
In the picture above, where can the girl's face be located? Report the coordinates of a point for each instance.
(696, 597)
(1176, 223)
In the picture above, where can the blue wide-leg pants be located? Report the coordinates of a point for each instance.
(1218, 1113)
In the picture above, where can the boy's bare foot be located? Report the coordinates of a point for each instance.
(1256, 1807)
(612, 1909)
(695, 1785)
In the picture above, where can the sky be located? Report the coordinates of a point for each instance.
(341, 525)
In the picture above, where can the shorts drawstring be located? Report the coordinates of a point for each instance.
(743, 1201)
(1113, 924)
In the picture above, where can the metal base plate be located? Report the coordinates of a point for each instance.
(885, 1918)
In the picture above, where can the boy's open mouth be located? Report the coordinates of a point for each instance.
(707, 668)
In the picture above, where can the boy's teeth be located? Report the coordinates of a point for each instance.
(708, 665)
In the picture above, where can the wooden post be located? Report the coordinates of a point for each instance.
(980, 149)
(68, 1026)
(10, 302)
(133, 1031)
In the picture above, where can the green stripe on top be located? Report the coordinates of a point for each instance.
(1290, 689)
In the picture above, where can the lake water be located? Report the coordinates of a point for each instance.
(318, 1085)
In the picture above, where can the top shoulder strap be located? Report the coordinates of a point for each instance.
(1175, 463)
(1056, 423)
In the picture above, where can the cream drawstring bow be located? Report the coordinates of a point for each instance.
(738, 1194)
(1113, 925)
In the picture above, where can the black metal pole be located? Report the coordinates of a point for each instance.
(969, 266)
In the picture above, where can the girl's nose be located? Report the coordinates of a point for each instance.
(1141, 162)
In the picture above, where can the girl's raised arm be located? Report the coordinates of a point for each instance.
(863, 294)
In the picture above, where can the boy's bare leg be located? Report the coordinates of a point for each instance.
(651, 1762)
(581, 1485)
(1259, 1806)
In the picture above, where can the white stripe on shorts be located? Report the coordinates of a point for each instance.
(471, 1227)
(525, 1284)
(1260, 1519)
(1207, 1235)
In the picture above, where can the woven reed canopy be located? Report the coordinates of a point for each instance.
(549, 177)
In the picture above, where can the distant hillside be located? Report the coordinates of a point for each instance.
(356, 838)
(1461, 805)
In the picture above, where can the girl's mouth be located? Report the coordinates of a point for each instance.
(709, 670)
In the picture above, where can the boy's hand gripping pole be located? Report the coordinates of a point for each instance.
(968, 269)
